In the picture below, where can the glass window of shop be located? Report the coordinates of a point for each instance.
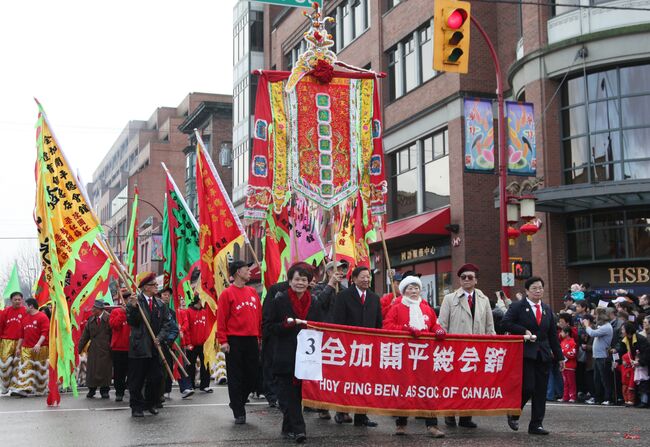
(606, 126)
(410, 62)
(420, 170)
(623, 234)
(564, 6)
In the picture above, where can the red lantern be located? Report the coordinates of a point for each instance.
(529, 229)
(513, 234)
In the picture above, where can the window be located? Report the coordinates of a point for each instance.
(190, 165)
(607, 236)
(390, 4)
(256, 31)
(240, 165)
(352, 20)
(292, 56)
(606, 126)
(405, 182)
(410, 62)
(436, 170)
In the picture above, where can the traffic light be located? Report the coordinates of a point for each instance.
(522, 269)
(451, 23)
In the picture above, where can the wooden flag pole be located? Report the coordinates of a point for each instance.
(333, 237)
(390, 270)
(179, 349)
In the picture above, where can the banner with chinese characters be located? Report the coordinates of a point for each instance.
(522, 152)
(479, 135)
(393, 373)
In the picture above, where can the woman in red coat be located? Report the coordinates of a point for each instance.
(414, 315)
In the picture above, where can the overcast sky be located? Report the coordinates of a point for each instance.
(94, 66)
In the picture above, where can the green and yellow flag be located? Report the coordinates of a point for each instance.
(132, 242)
(64, 221)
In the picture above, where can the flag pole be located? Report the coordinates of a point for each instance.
(180, 196)
(333, 237)
(390, 270)
(225, 194)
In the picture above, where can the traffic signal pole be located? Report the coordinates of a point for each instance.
(503, 198)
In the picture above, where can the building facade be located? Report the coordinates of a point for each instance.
(135, 159)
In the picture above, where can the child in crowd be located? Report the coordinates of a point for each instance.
(569, 350)
(627, 378)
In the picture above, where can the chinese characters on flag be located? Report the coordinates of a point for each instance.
(388, 372)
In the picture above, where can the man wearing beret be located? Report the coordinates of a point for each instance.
(100, 364)
(466, 311)
(239, 330)
(145, 365)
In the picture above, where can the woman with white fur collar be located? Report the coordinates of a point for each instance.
(414, 315)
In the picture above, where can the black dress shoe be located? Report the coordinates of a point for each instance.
(240, 420)
(152, 410)
(539, 430)
(450, 421)
(513, 423)
(288, 435)
(90, 396)
(365, 423)
(160, 405)
(300, 438)
(467, 424)
(119, 398)
(137, 414)
(105, 396)
(338, 418)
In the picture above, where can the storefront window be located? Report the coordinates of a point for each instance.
(606, 126)
(436, 171)
(609, 236)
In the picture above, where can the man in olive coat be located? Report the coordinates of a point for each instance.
(99, 371)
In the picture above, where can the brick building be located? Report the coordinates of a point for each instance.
(440, 215)
(135, 159)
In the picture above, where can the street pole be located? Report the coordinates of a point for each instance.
(503, 198)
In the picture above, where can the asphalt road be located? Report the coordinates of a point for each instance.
(206, 420)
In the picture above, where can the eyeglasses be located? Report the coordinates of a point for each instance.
(467, 276)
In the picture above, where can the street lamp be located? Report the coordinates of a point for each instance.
(117, 239)
(145, 201)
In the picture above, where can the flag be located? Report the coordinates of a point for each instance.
(132, 242)
(276, 246)
(219, 231)
(354, 230)
(41, 290)
(64, 221)
(13, 285)
(180, 243)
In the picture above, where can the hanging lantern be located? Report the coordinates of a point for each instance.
(512, 211)
(529, 229)
(513, 234)
(527, 206)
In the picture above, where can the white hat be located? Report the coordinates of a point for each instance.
(407, 281)
(620, 299)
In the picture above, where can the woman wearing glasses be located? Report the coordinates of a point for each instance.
(466, 311)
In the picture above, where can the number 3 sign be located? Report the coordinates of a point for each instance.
(309, 359)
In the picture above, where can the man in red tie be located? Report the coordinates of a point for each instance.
(358, 306)
(532, 317)
(466, 311)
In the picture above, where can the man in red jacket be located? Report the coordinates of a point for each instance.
(11, 326)
(120, 346)
(197, 322)
(239, 324)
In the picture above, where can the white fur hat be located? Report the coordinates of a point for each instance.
(409, 280)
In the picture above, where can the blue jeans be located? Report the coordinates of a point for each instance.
(555, 388)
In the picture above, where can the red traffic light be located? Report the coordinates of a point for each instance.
(456, 19)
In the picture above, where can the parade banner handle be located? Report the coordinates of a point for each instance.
(333, 237)
(127, 279)
(390, 271)
(179, 349)
(180, 197)
(179, 364)
(226, 196)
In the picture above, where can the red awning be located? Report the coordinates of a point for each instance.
(431, 223)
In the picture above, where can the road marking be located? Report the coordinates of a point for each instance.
(65, 410)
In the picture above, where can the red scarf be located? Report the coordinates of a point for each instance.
(300, 305)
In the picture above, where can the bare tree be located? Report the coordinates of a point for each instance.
(28, 262)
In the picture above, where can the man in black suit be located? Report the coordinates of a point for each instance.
(358, 306)
(532, 317)
(145, 368)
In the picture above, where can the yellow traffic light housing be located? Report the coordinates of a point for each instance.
(451, 23)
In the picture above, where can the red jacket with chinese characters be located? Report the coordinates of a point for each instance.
(33, 327)
(239, 313)
(183, 326)
(120, 330)
(11, 323)
(197, 322)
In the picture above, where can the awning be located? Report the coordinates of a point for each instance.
(430, 223)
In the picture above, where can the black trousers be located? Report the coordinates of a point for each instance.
(147, 374)
(603, 379)
(192, 355)
(402, 421)
(242, 367)
(120, 371)
(269, 384)
(290, 393)
(535, 384)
